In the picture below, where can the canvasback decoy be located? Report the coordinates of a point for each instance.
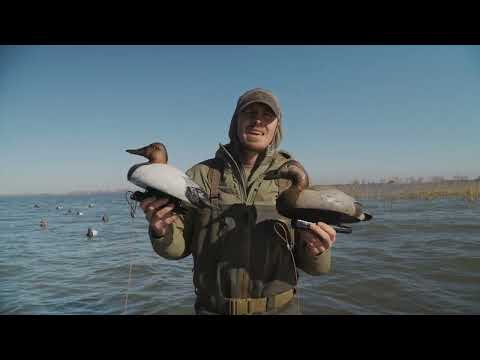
(79, 213)
(314, 203)
(91, 232)
(163, 180)
(44, 223)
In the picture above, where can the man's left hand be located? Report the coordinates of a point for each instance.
(319, 237)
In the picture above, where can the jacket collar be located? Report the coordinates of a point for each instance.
(230, 154)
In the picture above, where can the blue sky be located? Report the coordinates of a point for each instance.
(67, 113)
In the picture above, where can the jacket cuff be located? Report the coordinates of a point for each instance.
(316, 264)
(154, 238)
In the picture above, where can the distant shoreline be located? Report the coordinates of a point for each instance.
(463, 189)
(466, 189)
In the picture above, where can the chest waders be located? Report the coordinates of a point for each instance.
(220, 231)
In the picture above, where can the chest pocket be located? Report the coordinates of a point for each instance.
(228, 192)
(266, 193)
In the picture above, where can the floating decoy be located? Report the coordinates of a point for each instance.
(303, 203)
(44, 223)
(105, 218)
(91, 205)
(162, 180)
(59, 207)
(91, 232)
(36, 206)
(79, 213)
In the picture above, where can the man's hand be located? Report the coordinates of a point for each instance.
(319, 237)
(158, 213)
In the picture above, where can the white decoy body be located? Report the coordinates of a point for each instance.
(165, 178)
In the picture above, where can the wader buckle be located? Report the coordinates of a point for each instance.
(249, 306)
(240, 307)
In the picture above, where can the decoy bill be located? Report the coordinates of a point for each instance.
(162, 180)
(303, 203)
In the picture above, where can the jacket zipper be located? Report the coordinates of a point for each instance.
(244, 287)
(241, 174)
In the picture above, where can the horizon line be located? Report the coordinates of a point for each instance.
(392, 180)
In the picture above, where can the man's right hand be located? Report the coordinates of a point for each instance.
(158, 213)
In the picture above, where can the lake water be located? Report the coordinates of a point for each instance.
(414, 257)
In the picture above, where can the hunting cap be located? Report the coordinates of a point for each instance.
(261, 96)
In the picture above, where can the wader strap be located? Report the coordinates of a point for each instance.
(213, 176)
(215, 168)
(250, 306)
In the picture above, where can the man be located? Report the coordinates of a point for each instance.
(245, 254)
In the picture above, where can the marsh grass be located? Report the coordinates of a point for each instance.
(466, 190)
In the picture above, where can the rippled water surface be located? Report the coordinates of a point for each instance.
(415, 257)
